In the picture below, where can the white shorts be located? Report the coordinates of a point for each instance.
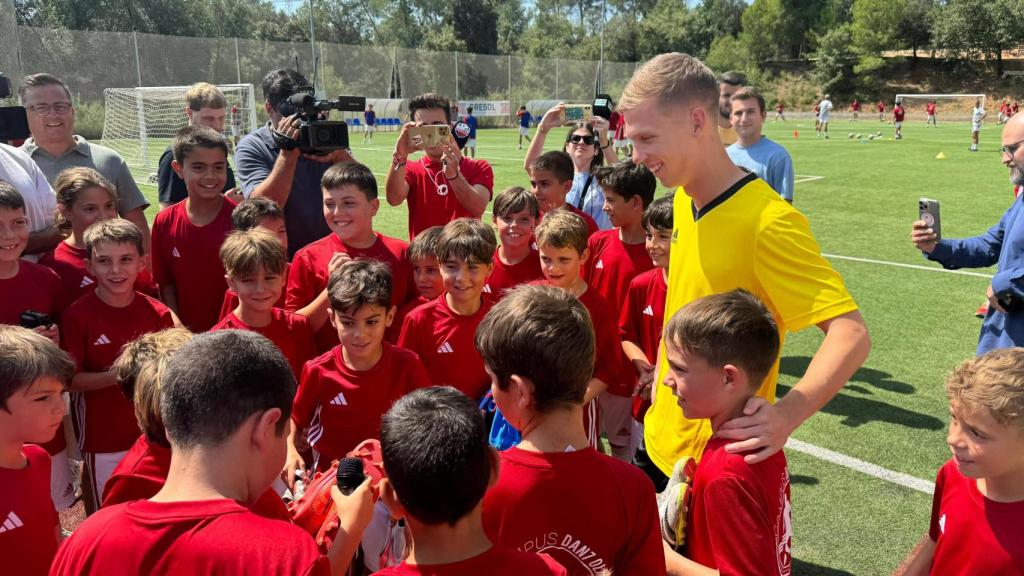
(898, 125)
(975, 127)
(62, 485)
(235, 129)
(524, 131)
(617, 418)
(471, 143)
(369, 128)
(102, 465)
(931, 116)
(823, 119)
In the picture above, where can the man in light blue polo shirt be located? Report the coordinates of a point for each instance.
(752, 150)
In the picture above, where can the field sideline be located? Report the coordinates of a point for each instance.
(860, 197)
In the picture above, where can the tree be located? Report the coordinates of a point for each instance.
(979, 28)
(915, 27)
(833, 70)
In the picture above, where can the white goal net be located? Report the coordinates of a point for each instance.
(140, 122)
(950, 107)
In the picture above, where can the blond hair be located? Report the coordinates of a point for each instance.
(73, 181)
(138, 371)
(244, 251)
(204, 95)
(562, 228)
(993, 381)
(672, 78)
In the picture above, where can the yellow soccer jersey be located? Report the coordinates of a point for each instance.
(746, 238)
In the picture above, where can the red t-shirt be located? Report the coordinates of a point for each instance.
(308, 275)
(143, 471)
(609, 358)
(36, 288)
(881, 107)
(342, 407)
(205, 537)
(69, 263)
(395, 330)
(897, 114)
(641, 321)
(591, 223)
(432, 201)
(93, 332)
(507, 276)
(496, 561)
(586, 510)
(446, 343)
(972, 534)
(287, 330)
(739, 516)
(855, 106)
(231, 298)
(28, 540)
(188, 257)
(930, 109)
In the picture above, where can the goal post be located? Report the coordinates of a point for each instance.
(139, 122)
(947, 106)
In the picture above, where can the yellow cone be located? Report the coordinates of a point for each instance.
(940, 156)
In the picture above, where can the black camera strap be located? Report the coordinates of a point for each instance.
(583, 193)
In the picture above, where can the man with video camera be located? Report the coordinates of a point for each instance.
(270, 163)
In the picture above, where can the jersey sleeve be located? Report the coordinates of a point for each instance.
(305, 346)
(743, 541)
(158, 245)
(484, 176)
(608, 364)
(418, 377)
(934, 530)
(301, 282)
(629, 316)
(803, 288)
(306, 397)
(407, 337)
(72, 339)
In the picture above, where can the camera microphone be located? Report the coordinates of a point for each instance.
(350, 475)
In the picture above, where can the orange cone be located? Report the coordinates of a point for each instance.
(796, 134)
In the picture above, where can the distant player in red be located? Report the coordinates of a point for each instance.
(855, 109)
(616, 257)
(562, 242)
(551, 176)
(187, 236)
(978, 505)
(350, 203)
(441, 332)
(516, 260)
(255, 263)
(555, 493)
(1004, 111)
(31, 410)
(344, 392)
(225, 401)
(719, 349)
(93, 331)
(263, 213)
(436, 482)
(443, 185)
(780, 111)
(929, 110)
(426, 275)
(143, 470)
(84, 197)
(1014, 109)
(897, 119)
(881, 111)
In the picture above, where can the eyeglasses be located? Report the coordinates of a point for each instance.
(44, 109)
(577, 138)
(1011, 149)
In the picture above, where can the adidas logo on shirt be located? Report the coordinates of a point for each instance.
(445, 348)
(649, 311)
(175, 253)
(339, 400)
(487, 288)
(86, 281)
(942, 523)
(11, 523)
(101, 340)
(599, 265)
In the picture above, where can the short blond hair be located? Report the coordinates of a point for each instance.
(993, 381)
(672, 78)
(138, 371)
(204, 95)
(244, 251)
(562, 228)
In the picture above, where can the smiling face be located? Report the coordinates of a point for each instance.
(35, 411)
(620, 211)
(90, 206)
(577, 147)
(664, 138)
(983, 447)
(361, 331)
(204, 171)
(426, 273)
(464, 280)
(516, 229)
(56, 124)
(747, 118)
(115, 266)
(349, 213)
(561, 266)
(259, 290)
(549, 192)
(659, 246)
(14, 232)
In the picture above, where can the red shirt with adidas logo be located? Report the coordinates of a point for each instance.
(93, 332)
(69, 263)
(641, 320)
(342, 407)
(507, 276)
(28, 521)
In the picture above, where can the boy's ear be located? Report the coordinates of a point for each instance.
(390, 316)
(264, 430)
(231, 283)
(585, 255)
(735, 377)
(188, 113)
(567, 186)
(89, 266)
(177, 168)
(331, 316)
(522, 390)
(374, 206)
(390, 498)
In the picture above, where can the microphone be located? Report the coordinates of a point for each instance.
(350, 475)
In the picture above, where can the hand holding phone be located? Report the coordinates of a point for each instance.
(927, 231)
(577, 113)
(429, 136)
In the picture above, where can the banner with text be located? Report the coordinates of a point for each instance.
(485, 107)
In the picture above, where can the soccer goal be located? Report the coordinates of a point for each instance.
(140, 122)
(948, 107)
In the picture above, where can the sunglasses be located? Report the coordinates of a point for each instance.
(577, 138)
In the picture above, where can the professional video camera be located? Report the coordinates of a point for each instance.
(317, 135)
(13, 120)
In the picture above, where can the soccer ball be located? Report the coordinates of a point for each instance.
(871, 137)
(851, 135)
(878, 134)
(859, 136)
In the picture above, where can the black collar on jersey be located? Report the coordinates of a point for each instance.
(697, 214)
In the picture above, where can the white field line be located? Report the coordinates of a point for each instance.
(911, 266)
(905, 480)
(801, 179)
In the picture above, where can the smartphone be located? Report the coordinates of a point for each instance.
(429, 136)
(577, 112)
(928, 211)
(13, 123)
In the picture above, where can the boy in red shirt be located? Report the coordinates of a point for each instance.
(562, 242)
(719, 349)
(344, 392)
(187, 236)
(978, 506)
(516, 261)
(33, 372)
(258, 213)
(441, 332)
(616, 257)
(897, 119)
(426, 275)
(350, 203)
(93, 330)
(538, 344)
(255, 263)
(930, 114)
(225, 401)
(551, 177)
(438, 467)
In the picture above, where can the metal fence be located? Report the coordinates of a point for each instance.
(92, 61)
